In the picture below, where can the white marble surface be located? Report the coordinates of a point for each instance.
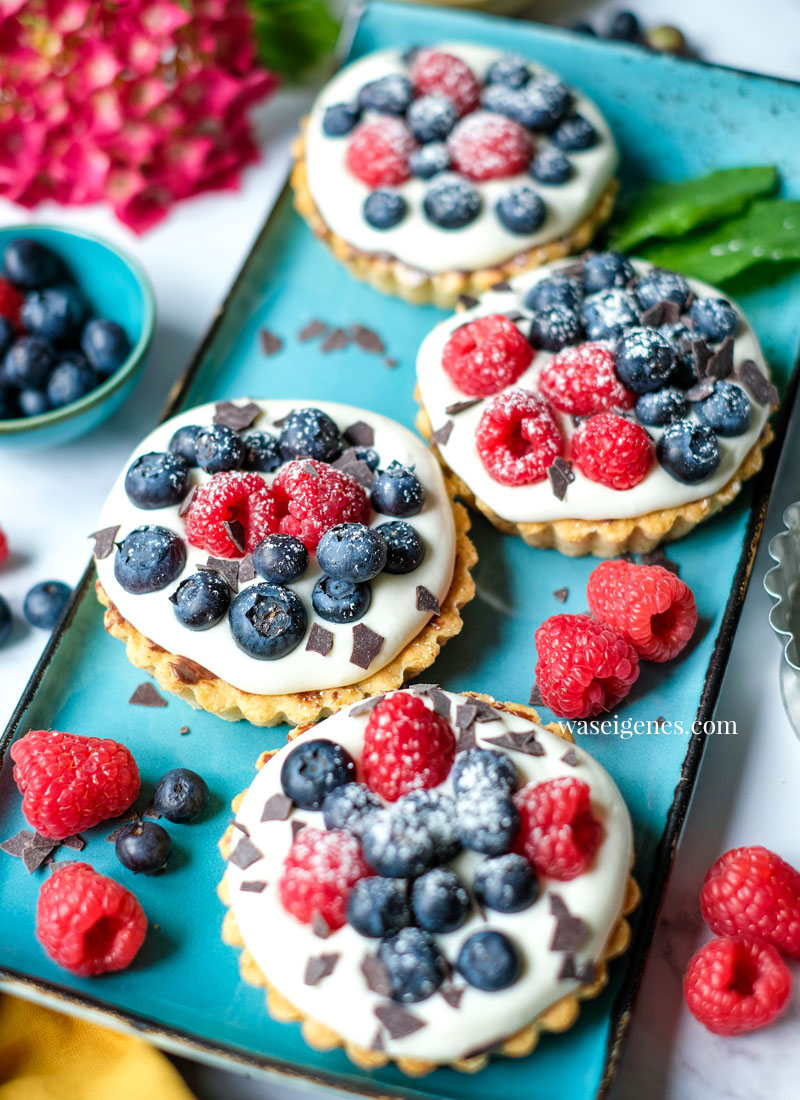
(746, 792)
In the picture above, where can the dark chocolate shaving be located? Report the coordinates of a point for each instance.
(357, 468)
(186, 503)
(462, 406)
(390, 362)
(502, 286)
(720, 364)
(253, 886)
(701, 353)
(377, 1039)
(568, 970)
(184, 730)
(467, 301)
(486, 712)
(466, 739)
(702, 389)
(588, 972)
(763, 391)
(312, 330)
(366, 646)
(570, 758)
(426, 601)
(658, 557)
(367, 339)
(319, 967)
(441, 435)
(237, 417)
(558, 907)
(365, 705)
(376, 975)
(561, 594)
(224, 567)
(360, 434)
(277, 808)
(15, 845)
(188, 671)
(535, 699)
(246, 569)
(244, 854)
(76, 842)
(524, 741)
(441, 702)
(336, 340)
(151, 811)
(452, 994)
(241, 827)
(104, 541)
(270, 343)
(514, 315)
(654, 316)
(570, 931)
(147, 696)
(320, 640)
(38, 851)
(466, 713)
(560, 474)
(235, 532)
(397, 1020)
(312, 471)
(297, 826)
(319, 926)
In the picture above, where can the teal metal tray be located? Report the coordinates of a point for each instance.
(673, 118)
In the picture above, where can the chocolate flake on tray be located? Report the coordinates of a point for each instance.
(376, 975)
(151, 811)
(235, 532)
(349, 463)
(535, 699)
(184, 730)
(466, 301)
(560, 475)
(462, 406)
(367, 339)
(366, 646)
(522, 741)
(426, 601)
(702, 389)
(561, 594)
(763, 391)
(658, 557)
(336, 340)
(360, 434)
(365, 705)
(236, 417)
(319, 926)
(320, 640)
(104, 541)
(452, 994)
(270, 343)
(253, 886)
(146, 696)
(226, 568)
(120, 829)
(570, 758)
(76, 842)
(244, 854)
(720, 364)
(397, 1020)
(312, 330)
(277, 808)
(319, 967)
(390, 362)
(442, 435)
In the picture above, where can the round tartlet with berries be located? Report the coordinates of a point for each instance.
(427, 877)
(597, 405)
(439, 171)
(273, 561)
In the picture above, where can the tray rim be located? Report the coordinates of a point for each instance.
(644, 921)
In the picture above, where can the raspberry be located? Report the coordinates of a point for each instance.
(11, 302)
(612, 450)
(378, 152)
(518, 437)
(753, 890)
(581, 380)
(486, 355)
(319, 872)
(3, 547)
(406, 747)
(230, 498)
(313, 497)
(557, 831)
(484, 146)
(88, 923)
(736, 984)
(70, 783)
(444, 74)
(584, 666)
(647, 604)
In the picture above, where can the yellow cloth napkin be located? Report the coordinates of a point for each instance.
(45, 1055)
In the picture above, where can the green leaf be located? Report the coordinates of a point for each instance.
(768, 233)
(672, 209)
(292, 35)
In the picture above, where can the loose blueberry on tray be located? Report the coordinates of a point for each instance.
(181, 796)
(44, 603)
(144, 848)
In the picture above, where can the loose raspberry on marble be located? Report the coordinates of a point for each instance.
(70, 783)
(484, 356)
(612, 451)
(558, 833)
(231, 498)
(319, 872)
(581, 380)
(584, 667)
(753, 890)
(518, 437)
(88, 923)
(485, 146)
(378, 152)
(736, 984)
(312, 497)
(11, 302)
(650, 606)
(436, 72)
(407, 747)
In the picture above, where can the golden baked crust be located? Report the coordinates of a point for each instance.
(201, 688)
(560, 1016)
(608, 538)
(391, 276)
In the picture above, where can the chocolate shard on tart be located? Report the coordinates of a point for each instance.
(456, 920)
(226, 602)
(596, 430)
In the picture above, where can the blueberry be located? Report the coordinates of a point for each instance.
(181, 796)
(575, 133)
(606, 315)
(580, 26)
(542, 104)
(310, 433)
(510, 69)
(33, 402)
(416, 965)
(662, 407)
(502, 100)
(202, 600)
(431, 118)
(662, 286)
(56, 313)
(340, 118)
(484, 768)
(315, 768)
(370, 456)
(605, 270)
(44, 603)
(451, 202)
(349, 807)
(28, 363)
(439, 901)
(435, 812)
(506, 883)
(340, 601)
(556, 328)
(218, 448)
(390, 94)
(427, 162)
(28, 264)
(644, 359)
(280, 559)
(396, 847)
(489, 960)
(143, 848)
(520, 209)
(157, 480)
(487, 820)
(184, 443)
(384, 209)
(267, 621)
(558, 291)
(550, 165)
(352, 552)
(397, 491)
(70, 380)
(148, 559)
(261, 452)
(714, 318)
(404, 547)
(689, 452)
(8, 334)
(106, 345)
(378, 907)
(727, 410)
(625, 27)
(6, 621)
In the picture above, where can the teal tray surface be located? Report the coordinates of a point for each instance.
(673, 119)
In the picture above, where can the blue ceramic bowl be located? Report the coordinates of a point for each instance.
(118, 289)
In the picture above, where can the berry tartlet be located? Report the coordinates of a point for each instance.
(597, 405)
(439, 171)
(426, 877)
(272, 561)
